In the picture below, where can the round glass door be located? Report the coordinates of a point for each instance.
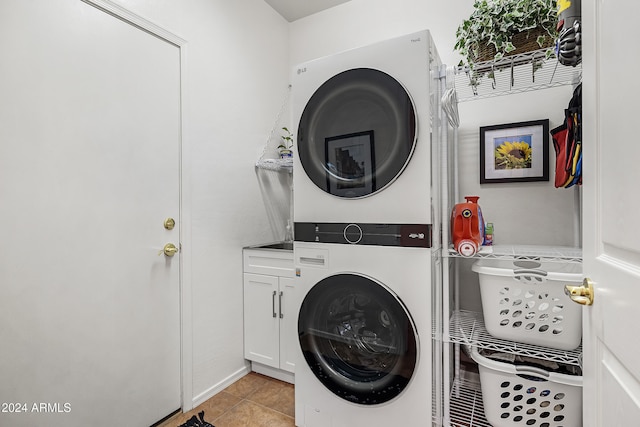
(358, 339)
(357, 133)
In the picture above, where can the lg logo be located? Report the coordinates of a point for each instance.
(302, 70)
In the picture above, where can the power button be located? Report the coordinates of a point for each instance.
(353, 233)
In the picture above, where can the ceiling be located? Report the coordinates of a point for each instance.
(292, 10)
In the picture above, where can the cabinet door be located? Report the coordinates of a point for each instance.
(288, 324)
(261, 320)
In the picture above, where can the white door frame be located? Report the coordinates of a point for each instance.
(186, 328)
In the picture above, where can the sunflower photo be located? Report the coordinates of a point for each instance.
(514, 152)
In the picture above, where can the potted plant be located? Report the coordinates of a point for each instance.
(286, 144)
(499, 28)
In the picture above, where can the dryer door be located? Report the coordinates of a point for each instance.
(358, 338)
(357, 133)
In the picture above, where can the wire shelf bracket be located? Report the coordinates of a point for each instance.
(514, 74)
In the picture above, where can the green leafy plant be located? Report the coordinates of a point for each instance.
(494, 23)
(286, 142)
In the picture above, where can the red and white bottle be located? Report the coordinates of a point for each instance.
(467, 227)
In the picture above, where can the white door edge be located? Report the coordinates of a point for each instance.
(186, 326)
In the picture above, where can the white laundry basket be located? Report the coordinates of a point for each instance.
(524, 301)
(522, 395)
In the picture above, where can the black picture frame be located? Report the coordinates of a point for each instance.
(514, 152)
(350, 164)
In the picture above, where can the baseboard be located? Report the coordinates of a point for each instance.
(278, 374)
(217, 388)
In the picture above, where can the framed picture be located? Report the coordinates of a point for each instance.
(515, 152)
(350, 164)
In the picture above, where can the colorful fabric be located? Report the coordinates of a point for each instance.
(567, 142)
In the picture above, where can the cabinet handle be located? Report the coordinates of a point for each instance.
(273, 303)
(280, 304)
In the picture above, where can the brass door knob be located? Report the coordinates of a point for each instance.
(582, 294)
(169, 223)
(170, 249)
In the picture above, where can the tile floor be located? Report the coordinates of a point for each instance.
(253, 401)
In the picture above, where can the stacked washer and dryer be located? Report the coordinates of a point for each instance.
(363, 211)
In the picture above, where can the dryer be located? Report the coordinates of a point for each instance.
(363, 122)
(364, 329)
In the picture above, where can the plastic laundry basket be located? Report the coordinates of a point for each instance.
(522, 395)
(524, 301)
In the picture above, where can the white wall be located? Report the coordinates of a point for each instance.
(526, 213)
(529, 213)
(237, 77)
(360, 22)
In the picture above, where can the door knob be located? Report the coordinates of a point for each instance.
(582, 294)
(170, 249)
(169, 223)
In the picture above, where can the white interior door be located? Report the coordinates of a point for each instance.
(611, 92)
(89, 170)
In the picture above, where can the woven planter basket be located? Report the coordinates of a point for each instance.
(525, 41)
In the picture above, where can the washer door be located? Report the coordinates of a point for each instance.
(358, 338)
(357, 133)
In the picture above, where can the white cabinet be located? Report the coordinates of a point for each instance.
(270, 312)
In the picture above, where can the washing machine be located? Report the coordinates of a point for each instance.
(364, 121)
(364, 326)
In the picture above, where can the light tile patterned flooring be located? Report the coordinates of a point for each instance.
(253, 401)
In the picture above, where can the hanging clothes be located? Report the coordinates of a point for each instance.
(567, 142)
